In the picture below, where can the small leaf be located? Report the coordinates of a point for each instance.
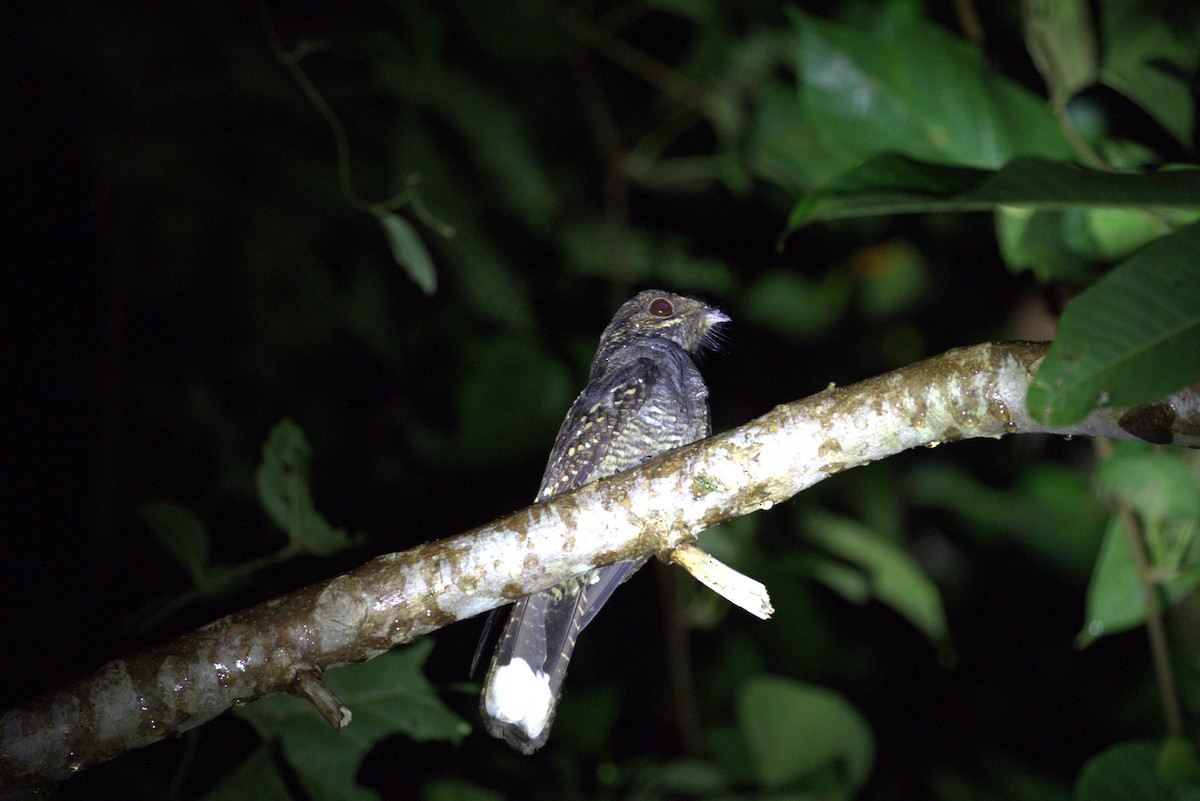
(181, 533)
(1129, 339)
(892, 575)
(793, 730)
(1125, 772)
(409, 251)
(1115, 601)
(283, 492)
(1059, 37)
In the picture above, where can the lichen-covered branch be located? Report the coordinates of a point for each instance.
(284, 643)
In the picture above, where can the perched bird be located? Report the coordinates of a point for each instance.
(644, 397)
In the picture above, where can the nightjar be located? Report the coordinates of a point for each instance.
(644, 397)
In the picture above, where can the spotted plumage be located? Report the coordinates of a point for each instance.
(644, 397)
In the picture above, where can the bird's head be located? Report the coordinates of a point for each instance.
(685, 321)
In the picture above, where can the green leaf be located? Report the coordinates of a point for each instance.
(256, 777)
(283, 492)
(1035, 239)
(1131, 338)
(1125, 772)
(1058, 34)
(793, 730)
(1115, 600)
(386, 695)
(409, 251)
(912, 87)
(1149, 50)
(895, 184)
(180, 532)
(892, 575)
(783, 146)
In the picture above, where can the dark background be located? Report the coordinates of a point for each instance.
(183, 272)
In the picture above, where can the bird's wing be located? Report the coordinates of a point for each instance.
(595, 421)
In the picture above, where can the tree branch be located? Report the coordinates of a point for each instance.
(287, 642)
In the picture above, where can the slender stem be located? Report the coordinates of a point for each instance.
(1154, 625)
(1159, 651)
(340, 140)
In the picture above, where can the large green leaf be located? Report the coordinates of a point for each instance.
(913, 87)
(896, 184)
(793, 730)
(1131, 338)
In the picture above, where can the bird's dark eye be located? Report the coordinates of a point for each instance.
(661, 308)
